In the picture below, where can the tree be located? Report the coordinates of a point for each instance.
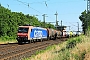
(9, 21)
(85, 18)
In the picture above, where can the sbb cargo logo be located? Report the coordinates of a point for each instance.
(37, 33)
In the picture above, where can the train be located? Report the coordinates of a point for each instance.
(28, 33)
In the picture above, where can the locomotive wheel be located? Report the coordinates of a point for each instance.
(41, 40)
(47, 38)
(54, 38)
(34, 41)
(19, 42)
(29, 41)
(50, 38)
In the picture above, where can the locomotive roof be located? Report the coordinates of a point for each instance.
(26, 26)
(32, 27)
(38, 28)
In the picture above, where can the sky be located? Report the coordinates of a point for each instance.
(68, 10)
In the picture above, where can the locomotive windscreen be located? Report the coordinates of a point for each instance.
(23, 30)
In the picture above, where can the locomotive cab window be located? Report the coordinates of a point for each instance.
(23, 30)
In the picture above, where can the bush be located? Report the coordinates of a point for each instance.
(72, 42)
(7, 38)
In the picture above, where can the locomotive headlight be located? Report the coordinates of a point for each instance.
(18, 36)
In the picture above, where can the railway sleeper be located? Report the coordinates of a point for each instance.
(20, 55)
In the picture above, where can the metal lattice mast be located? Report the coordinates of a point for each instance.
(44, 15)
(56, 18)
(88, 10)
(88, 6)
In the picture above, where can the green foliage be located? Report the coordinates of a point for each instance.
(9, 21)
(6, 39)
(63, 55)
(83, 55)
(38, 52)
(65, 52)
(80, 57)
(50, 47)
(85, 18)
(47, 48)
(66, 55)
(72, 42)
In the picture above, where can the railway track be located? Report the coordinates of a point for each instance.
(17, 52)
(7, 45)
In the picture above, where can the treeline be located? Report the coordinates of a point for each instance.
(9, 22)
(85, 18)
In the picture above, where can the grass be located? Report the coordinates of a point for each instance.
(7, 39)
